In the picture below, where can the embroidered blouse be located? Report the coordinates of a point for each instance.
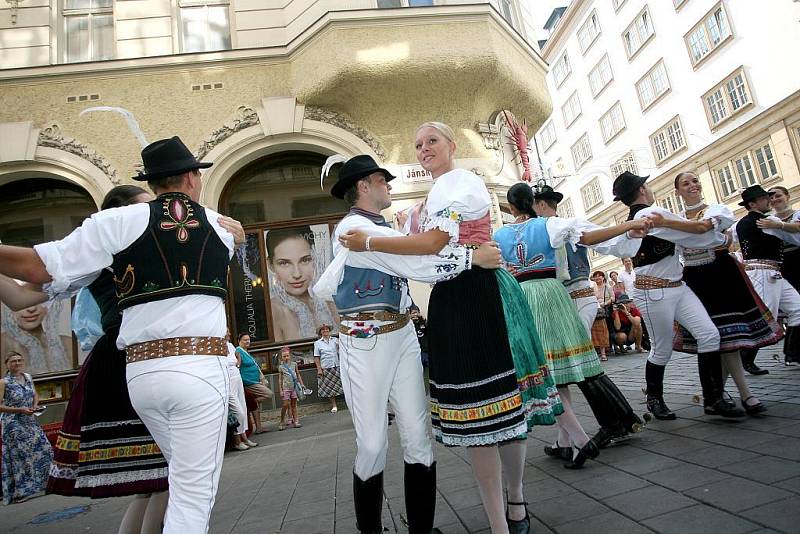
(458, 203)
(722, 217)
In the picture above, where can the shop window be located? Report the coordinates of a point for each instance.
(289, 222)
(204, 26)
(88, 30)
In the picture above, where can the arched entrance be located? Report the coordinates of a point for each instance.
(289, 221)
(32, 211)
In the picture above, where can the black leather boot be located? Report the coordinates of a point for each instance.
(748, 357)
(709, 367)
(603, 410)
(654, 376)
(626, 417)
(368, 495)
(420, 491)
(791, 346)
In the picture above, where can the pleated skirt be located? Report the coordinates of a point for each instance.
(103, 448)
(489, 379)
(742, 318)
(569, 351)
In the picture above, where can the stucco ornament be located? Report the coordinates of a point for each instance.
(52, 137)
(243, 117)
(339, 120)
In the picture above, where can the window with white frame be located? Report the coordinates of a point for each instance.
(565, 209)
(708, 34)
(625, 163)
(561, 69)
(612, 122)
(767, 168)
(638, 33)
(503, 6)
(672, 202)
(548, 135)
(588, 32)
(743, 169)
(617, 4)
(591, 194)
(600, 76)
(581, 151)
(727, 184)
(571, 109)
(204, 25)
(652, 85)
(88, 30)
(727, 99)
(668, 140)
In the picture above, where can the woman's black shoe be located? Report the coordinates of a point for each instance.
(579, 458)
(556, 451)
(755, 370)
(723, 408)
(521, 526)
(754, 409)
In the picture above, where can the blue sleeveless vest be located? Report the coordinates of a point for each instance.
(526, 246)
(368, 290)
(578, 264)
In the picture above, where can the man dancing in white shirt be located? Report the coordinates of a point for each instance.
(663, 298)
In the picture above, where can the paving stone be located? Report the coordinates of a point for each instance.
(610, 523)
(736, 494)
(557, 511)
(466, 498)
(699, 519)
(765, 469)
(648, 502)
(676, 446)
(782, 515)
(646, 463)
(718, 455)
(685, 477)
(609, 485)
(792, 484)
(474, 519)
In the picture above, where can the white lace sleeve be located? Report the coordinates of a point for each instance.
(564, 231)
(721, 216)
(456, 196)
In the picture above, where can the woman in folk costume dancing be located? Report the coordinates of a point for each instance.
(533, 248)
(489, 378)
(743, 320)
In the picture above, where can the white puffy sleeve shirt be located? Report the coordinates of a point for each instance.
(77, 260)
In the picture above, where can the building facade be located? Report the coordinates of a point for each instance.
(658, 88)
(265, 90)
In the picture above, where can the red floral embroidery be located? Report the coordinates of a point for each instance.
(180, 215)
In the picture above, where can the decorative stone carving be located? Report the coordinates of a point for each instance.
(243, 117)
(339, 120)
(490, 133)
(51, 137)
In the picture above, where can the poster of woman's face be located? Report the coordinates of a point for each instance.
(295, 259)
(41, 333)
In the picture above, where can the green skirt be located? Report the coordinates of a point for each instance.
(570, 354)
(536, 385)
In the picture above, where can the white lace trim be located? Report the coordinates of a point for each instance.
(445, 225)
(489, 439)
(111, 479)
(474, 384)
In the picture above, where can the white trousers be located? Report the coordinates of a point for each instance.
(236, 403)
(183, 401)
(661, 308)
(778, 294)
(375, 370)
(587, 311)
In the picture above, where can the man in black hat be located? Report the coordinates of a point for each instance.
(611, 409)
(170, 260)
(663, 298)
(380, 355)
(762, 241)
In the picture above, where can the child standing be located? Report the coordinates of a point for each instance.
(290, 383)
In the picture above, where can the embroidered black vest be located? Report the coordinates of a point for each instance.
(756, 245)
(578, 264)
(178, 254)
(105, 294)
(652, 249)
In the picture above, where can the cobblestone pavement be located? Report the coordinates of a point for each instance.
(696, 474)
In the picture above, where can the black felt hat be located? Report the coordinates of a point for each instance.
(545, 192)
(167, 157)
(752, 193)
(355, 169)
(626, 183)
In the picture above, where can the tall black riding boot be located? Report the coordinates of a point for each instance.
(625, 414)
(368, 495)
(791, 345)
(749, 361)
(604, 409)
(654, 376)
(709, 367)
(420, 491)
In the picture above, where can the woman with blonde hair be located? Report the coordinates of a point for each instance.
(489, 379)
